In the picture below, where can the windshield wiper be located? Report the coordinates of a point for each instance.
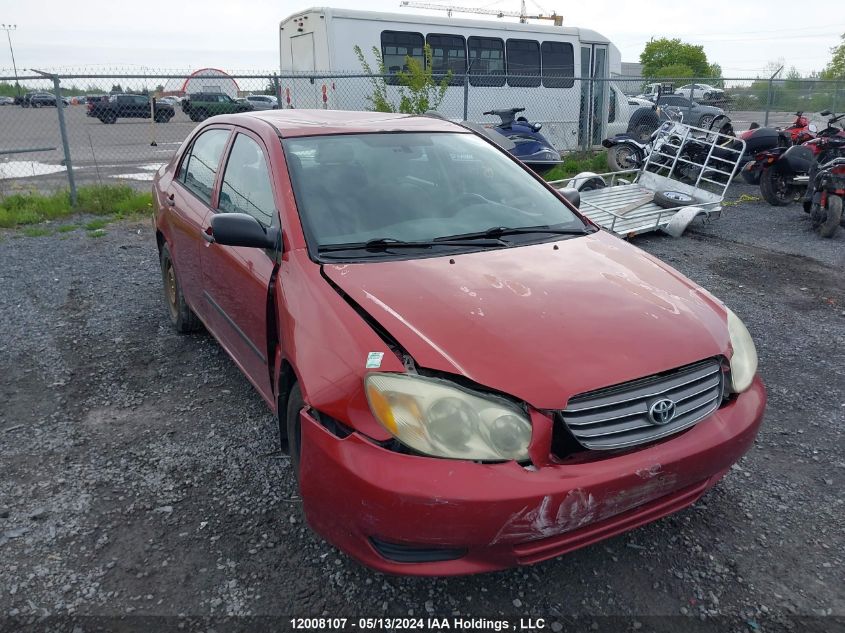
(500, 231)
(382, 244)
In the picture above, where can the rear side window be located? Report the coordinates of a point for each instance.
(558, 65)
(523, 63)
(199, 168)
(486, 61)
(397, 45)
(246, 184)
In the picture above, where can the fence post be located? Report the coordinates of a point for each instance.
(771, 95)
(60, 107)
(277, 89)
(466, 96)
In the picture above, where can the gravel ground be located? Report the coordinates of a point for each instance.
(139, 472)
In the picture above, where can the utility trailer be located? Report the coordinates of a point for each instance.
(685, 176)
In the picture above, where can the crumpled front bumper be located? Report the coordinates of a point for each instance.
(501, 515)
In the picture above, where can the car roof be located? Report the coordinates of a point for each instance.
(293, 122)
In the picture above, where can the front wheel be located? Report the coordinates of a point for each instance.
(827, 220)
(705, 121)
(294, 427)
(623, 157)
(775, 188)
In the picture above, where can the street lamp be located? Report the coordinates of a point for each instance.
(8, 28)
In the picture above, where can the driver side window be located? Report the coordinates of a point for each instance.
(246, 184)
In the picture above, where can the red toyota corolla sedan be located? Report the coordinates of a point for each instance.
(468, 374)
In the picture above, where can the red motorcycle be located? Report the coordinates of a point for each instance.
(761, 140)
(823, 200)
(786, 169)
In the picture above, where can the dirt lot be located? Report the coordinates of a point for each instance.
(139, 473)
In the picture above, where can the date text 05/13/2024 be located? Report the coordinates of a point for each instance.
(417, 624)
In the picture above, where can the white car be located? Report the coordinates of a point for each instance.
(263, 102)
(700, 92)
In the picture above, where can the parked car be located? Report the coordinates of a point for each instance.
(694, 113)
(263, 102)
(174, 101)
(4, 101)
(41, 100)
(701, 92)
(129, 106)
(472, 379)
(201, 105)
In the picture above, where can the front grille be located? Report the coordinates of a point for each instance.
(619, 416)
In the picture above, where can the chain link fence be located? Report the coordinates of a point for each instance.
(111, 134)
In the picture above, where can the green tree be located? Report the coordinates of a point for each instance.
(663, 53)
(674, 71)
(116, 88)
(835, 69)
(419, 90)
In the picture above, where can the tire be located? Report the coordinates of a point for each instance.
(774, 190)
(294, 429)
(201, 114)
(705, 121)
(670, 199)
(752, 178)
(161, 117)
(623, 157)
(642, 123)
(181, 316)
(807, 206)
(830, 217)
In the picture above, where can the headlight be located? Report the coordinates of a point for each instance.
(434, 417)
(744, 359)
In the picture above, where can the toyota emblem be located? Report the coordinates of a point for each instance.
(661, 411)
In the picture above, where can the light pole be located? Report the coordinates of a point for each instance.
(8, 28)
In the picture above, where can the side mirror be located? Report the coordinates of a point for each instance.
(241, 229)
(572, 195)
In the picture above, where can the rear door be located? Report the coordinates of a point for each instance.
(236, 280)
(189, 196)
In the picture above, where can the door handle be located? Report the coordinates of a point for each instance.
(170, 200)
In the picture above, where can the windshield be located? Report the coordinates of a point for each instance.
(417, 187)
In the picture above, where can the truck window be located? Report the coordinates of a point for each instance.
(523, 63)
(448, 52)
(558, 65)
(397, 45)
(486, 61)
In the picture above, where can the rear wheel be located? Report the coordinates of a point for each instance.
(827, 220)
(201, 114)
(181, 316)
(775, 188)
(161, 117)
(623, 156)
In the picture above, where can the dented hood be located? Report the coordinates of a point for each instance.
(541, 322)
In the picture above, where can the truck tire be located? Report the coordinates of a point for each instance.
(773, 188)
(161, 117)
(827, 220)
(201, 114)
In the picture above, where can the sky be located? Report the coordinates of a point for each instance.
(103, 36)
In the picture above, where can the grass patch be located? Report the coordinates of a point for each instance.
(36, 231)
(96, 233)
(109, 200)
(743, 198)
(95, 225)
(576, 163)
(67, 228)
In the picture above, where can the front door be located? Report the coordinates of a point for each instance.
(189, 195)
(594, 91)
(236, 280)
